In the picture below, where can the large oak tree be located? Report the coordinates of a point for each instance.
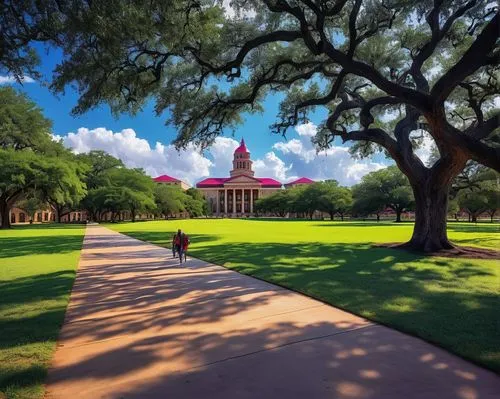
(30, 161)
(427, 65)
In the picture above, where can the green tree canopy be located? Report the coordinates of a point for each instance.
(384, 188)
(196, 205)
(382, 71)
(478, 191)
(99, 162)
(31, 162)
(30, 206)
(131, 190)
(278, 203)
(22, 124)
(334, 199)
(169, 200)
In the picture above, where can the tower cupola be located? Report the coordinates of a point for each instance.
(242, 164)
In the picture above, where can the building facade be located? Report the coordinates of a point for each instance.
(235, 196)
(171, 181)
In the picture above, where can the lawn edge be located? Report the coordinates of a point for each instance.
(49, 363)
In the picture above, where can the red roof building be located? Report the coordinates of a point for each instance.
(299, 182)
(236, 195)
(166, 179)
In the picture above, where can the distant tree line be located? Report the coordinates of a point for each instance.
(475, 191)
(36, 171)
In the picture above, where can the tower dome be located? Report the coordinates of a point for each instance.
(242, 148)
(242, 164)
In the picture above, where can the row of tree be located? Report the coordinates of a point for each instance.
(36, 171)
(475, 191)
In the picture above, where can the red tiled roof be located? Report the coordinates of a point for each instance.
(237, 176)
(212, 182)
(302, 180)
(242, 147)
(268, 182)
(219, 182)
(166, 179)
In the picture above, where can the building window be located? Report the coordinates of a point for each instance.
(39, 217)
(13, 217)
(22, 217)
(46, 216)
(74, 217)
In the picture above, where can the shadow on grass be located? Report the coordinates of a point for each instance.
(15, 378)
(47, 226)
(32, 307)
(40, 324)
(43, 245)
(24, 290)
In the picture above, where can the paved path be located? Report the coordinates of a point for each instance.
(140, 326)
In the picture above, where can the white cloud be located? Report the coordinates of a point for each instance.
(10, 79)
(307, 129)
(303, 160)
(187, 165)
(272, 166)
(222, 156)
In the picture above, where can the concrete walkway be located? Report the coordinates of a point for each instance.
(140, 326)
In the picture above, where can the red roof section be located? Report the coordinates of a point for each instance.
(212, 182)
(219, 182)
(302, 180)
(242, 147)
(166, 179)
(268, 182)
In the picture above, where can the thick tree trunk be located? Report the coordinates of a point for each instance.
(342, 216)
(474, 218)
(378, 217)
(431, 204)
(4, 214)
(398, 215)
(133, 215)
(331, 215)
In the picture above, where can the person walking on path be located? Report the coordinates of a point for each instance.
(185, 245)
(174, 245)
(179, 244)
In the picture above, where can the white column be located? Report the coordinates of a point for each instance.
(251, 200)
(243, 200)
(218, 203)
(234, 200)
(225, 201)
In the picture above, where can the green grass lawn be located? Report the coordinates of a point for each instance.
(452, 302)
(37, 270)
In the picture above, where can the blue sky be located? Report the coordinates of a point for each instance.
(255, 130)
(134, 139)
